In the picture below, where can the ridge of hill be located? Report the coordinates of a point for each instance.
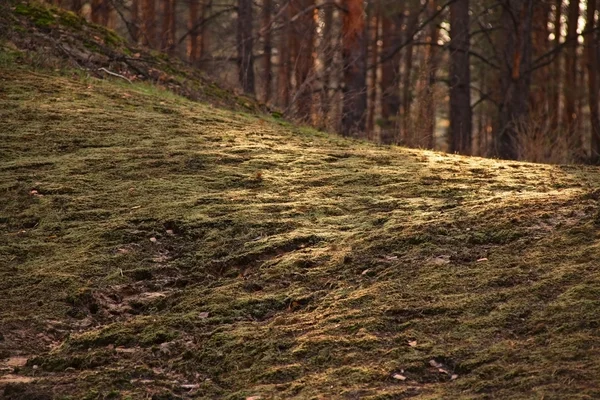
(156, 247)
(51, 38)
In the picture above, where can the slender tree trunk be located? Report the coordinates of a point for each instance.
(516, 75)
(198, 38)
(327, 51)
(460, 79)
(591, 47)
(193, 49)
(374, 39)
(354, 55)
(96, 6)
(428, 137)
(283, 80)
(76, 6)
(570, 81)
(413, 19)
(391, 37)
(267, 48)
(168, 26)
(149, 23)
(303, 36)
(244, 46)
(205, 11)
(541, 77)
(554, 106)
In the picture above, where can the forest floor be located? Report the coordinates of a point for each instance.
(156, 247)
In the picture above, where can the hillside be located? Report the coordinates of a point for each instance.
(156, 247)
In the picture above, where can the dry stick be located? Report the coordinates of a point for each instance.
(115, 74)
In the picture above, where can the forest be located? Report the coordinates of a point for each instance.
(308, 200)
(510, 79)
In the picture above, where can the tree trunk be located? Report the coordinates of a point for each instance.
(327, 51)
(516, 75)
(198, 39)
(244, 46)
(354, 55)
(391, 37)
(135, 21)
(283, 80)
(460, 79)
(554, 106)
(413, 19)
(591, 47)
(570, 81)
(541, 77)
(193, 49)
(267, 48)
(427, 138)
(303, 30)
(374, 39)
(168, 26)
(76, 6)
(149, 23)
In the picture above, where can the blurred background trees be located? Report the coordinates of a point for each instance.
(515, 79)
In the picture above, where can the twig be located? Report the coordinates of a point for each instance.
(115, 74)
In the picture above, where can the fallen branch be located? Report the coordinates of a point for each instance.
(115, 74)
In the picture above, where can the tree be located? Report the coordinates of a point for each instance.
(303, 32)
(515, 80)
(460, 79)
(267, 7)
(570, 80)
(391, 37)
(554, 106)
(135, 21)
(327, 51)
(591, 47)
(168, 26)
(354, 56)
(100, 12)
(374, 18)
(148, 23)
(283, 80)
(413, 20)
(245, 44)
(429, 118)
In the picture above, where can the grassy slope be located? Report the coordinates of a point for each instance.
(150, 245)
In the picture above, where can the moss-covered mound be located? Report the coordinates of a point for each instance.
(154, 247)
(52, 38)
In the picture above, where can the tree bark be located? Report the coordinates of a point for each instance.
(570, 81)
(460, 79)
(303, 31)
(245, 44)
(327, 50)
(135, 21)
(554, 106)
(391, 37)
(413, 19)
(427, 138)
(283, 80)
(76, 6)
(193, 49)
(354, 56)
(515, 81)
(168, 26)
(541, 78)
(591, 47)
(267, 7)
(374, 50)
(149, 23)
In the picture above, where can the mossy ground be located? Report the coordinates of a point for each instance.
(154, 247)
